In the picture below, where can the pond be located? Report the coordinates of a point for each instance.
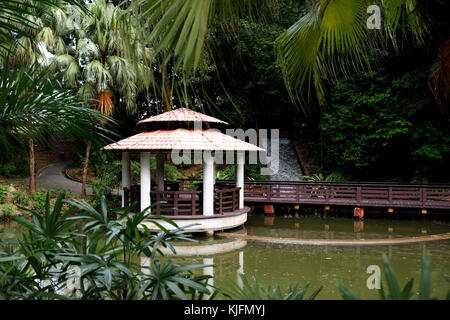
(322, 265)
(325, 265)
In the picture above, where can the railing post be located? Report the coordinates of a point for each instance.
(390, 195)
(220, 201)
(175, 203)
(358, 194)
(233, 200)
(422, 196)
(193, 203)
(158, 201)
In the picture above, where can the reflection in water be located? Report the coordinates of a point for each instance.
(269, 220)
(209, 271)
(323, 265)
(358, 225)
(289, 264)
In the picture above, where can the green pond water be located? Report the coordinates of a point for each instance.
(325, 265)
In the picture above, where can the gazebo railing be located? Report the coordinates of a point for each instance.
(132, 197)
(184, 202)
(177, 203)
(226, 200)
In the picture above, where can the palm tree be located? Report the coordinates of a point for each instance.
(33, 106)
(331, 39)
(92, 63)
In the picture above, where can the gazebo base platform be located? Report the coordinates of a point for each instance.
(207, 224)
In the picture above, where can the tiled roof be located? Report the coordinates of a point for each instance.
(182, 114)
(182, 139)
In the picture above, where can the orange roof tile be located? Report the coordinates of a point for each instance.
(182, 114)
(183, 139)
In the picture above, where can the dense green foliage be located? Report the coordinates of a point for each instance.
(251, 91)
(385, 126)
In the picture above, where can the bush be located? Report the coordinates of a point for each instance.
(3, 194)
(39, 200)
(8, 170)
(20, 198)
(7, 210)
(337, 177)
(104, 185)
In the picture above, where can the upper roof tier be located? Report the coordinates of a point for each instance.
(182, 114)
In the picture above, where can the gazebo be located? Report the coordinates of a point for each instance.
(209, 205)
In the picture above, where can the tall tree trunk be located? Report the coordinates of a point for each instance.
(32, 168)
(85, 169)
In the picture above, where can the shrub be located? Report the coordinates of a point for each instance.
(20, 198)
(7, 210)
(104, 185)
(3, 194)
(8, 170)
(39, 200)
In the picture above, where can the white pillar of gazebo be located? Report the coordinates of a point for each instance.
(160, 171)
(240, 160)
(145, 180)
(126, 174)
(208, 185)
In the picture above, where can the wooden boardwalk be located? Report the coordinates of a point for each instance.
(357, 194)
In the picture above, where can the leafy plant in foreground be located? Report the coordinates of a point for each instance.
(247, 291)
(395, 293)
(50, 261)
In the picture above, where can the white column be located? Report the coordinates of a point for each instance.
(208, 186)
(126, 174)
(240, 160)
(160, 171)
(145, 180)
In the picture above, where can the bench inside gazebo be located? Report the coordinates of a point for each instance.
(209, 205)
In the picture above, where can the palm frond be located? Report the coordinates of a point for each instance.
(33, 105)
(331, 38)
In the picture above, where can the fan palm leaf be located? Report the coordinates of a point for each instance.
(19, 17)
(33, 105)
(333, 39)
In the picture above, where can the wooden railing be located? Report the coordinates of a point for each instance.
(226, 200)
(184, 202)
(132, 197)
(357, 194)
(175, 203)
(370, 194)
